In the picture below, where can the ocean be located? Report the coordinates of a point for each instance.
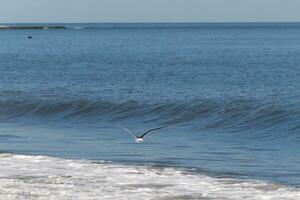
(229, 94)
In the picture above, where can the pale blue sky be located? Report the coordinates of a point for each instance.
(149, 10)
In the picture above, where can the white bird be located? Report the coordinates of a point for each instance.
(139, 139)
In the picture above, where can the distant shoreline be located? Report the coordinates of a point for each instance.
(76, 26)
(45, 26)
(22, 27)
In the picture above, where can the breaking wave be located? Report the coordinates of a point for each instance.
(42, 177)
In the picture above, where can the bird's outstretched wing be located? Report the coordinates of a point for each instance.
(155, 129)
(127, 130)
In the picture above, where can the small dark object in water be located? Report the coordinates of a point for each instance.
(29, 37)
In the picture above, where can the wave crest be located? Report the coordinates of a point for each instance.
(205, 114)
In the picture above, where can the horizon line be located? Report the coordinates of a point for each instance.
(215, 22)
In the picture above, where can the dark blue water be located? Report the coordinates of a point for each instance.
(229, 94)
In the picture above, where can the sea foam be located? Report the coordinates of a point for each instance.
(42, 177)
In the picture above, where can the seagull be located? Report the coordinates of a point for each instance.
(139, 139)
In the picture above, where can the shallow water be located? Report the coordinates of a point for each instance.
(228, 92)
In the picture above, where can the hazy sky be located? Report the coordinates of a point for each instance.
(148, 10)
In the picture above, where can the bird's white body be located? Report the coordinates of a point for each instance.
(139, 140)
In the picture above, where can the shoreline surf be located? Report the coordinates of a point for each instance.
(42, 177)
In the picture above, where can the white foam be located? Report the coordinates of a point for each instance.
(42, 177)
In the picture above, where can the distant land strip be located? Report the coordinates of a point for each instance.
(30, 27)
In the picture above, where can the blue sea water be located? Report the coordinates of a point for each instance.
(229, 94)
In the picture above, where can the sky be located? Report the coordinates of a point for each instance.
(56, 11)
